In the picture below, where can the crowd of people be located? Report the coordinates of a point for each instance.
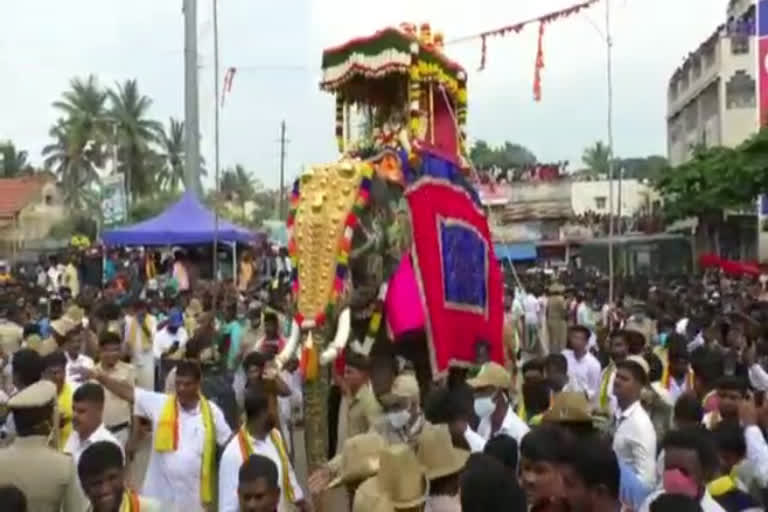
(164, 393)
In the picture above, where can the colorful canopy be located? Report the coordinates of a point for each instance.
(185, 222)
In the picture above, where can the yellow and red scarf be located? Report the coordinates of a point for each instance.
(167, 440)
(603, 396)
(130, 502)
(666, 379)
(64, 403)
(134, 332)
(246, 450)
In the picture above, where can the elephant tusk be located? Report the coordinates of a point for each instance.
(343, 328)
(290, 347)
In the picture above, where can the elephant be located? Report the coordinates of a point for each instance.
(323, 198)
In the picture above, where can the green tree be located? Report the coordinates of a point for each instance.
(648, 168)
(136, 135)
(79, 140)
(171, 144)
(14, 162)
(506, 156)
(596, 158)
(714, 180)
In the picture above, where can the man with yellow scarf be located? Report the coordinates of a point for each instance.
(186, 428)
(258, 436)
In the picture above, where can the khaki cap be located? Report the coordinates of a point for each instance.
(62, 326)
(437, 453)
(405, 386)
(491, 375)
(642, 363)
(568, 407)
(401, 477)
(39, 394)
(75, 314)
(359, 458)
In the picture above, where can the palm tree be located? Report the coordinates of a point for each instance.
(596, 158)
(79, 140)
(135, 135)
(171, 144)
(72, 159)
(12, 162)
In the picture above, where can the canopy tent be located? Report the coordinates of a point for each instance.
(185, 222)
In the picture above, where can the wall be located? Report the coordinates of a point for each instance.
(634, 196)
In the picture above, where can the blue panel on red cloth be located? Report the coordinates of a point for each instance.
(762, 18)
(465, 266)
(435, 166)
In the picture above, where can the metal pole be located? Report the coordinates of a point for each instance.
(618, 200)
(191, 101)
(281, 212)
(216, 138)
(609, 69)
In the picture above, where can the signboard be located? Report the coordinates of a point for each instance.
(113, 200)
(762, 117)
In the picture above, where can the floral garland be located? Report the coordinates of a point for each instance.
(344, 247)
(339, 122)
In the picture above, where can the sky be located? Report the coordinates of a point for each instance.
(277, 46)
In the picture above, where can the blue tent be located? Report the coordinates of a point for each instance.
(183, 223)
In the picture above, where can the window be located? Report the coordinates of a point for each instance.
(739, 44)
(740, 91)
(600, 202)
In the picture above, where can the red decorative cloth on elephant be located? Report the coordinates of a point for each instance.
(458, 275)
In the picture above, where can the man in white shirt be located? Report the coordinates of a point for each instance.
(531, 308)
(54, 275)
(75, 359)
(258, 436)
(583, 368)
(757, 447)
(605, 400)
(686, 469)
(174, 476)
(634, 440)
(87, 422)
(492, 404)
(138, 339)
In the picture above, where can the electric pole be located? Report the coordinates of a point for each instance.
(191, 101)
(283, 142)
(216, 140)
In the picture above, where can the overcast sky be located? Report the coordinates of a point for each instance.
(276, 47)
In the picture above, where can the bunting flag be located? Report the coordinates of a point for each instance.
(229, 76)
(539, 65)
(517, 28)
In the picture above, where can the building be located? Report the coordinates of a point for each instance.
(548, 221)
(712, 101)
(29, 207)
(711, 97)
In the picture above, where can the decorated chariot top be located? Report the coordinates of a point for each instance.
(406, 83)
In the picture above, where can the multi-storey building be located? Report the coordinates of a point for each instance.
(711, 97)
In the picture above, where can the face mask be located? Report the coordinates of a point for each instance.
(484, 406)
(675, 482)
(399, 419)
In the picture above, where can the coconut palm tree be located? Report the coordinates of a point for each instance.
(136, 134)
(79, 139)
(237, 185)
(596, 159)
(171, 143)
(13, 162)
(72, 159)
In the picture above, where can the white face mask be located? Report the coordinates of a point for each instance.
(399, 419)
(484, 406)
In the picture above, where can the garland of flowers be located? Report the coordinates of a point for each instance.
(344, 247)
(340, 122)
(414, 100)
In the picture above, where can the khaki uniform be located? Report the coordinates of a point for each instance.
(358, 415)
(117, 412)
(46, 477)
(557, 323)
(11, 335)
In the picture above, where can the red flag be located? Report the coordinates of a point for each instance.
(457, 271)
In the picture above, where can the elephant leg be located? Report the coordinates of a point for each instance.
(316, 423)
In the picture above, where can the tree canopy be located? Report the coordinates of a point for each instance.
(717, 179)
(506, 156)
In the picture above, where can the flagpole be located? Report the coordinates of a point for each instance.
(609, 78)
(216, 140)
